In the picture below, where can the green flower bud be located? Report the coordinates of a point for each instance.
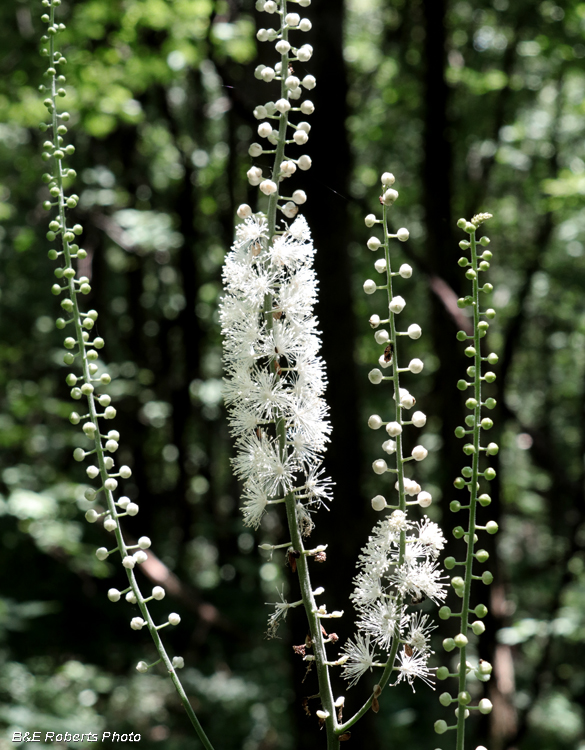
(482, 555)
(489, 474)
(481, 610)
(487, 577)
(460, 432)
(484, 500)
(478, 627)
(441, 726)
(491, 527)
(469, 351)
(448, 644)
(486, 423)
(445, 699)
(492, 449)
(461, 640)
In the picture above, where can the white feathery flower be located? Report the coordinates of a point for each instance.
(430, 534)
(419, 633)
(255, 502)
(420, 580)
(367, 589)
(414, 666)
(383, 621)
(361, 658)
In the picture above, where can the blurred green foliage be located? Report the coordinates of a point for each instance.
(473, 106)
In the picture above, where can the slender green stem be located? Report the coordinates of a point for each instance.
(82, 338)
(473, 493)
(389, 668)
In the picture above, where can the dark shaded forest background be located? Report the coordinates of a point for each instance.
(474, 106)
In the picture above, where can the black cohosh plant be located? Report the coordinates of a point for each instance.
(274, 386)
(89, 379)
(470, 483)
(278, 417)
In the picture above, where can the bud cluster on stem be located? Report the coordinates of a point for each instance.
(275, 377)
(469, 481)
(398, 566)
(88, 382)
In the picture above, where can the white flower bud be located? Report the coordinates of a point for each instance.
(389, 197)
(309, 82)
(405, 271)
(375, 321)
(393, 429)
(244, 211)
(260, 112)
(374, 243)
(419, 452)
(305, 53)
(130, 597)
(304, 162)
(142, 667)
(379, 503)
(264, 129)
(307, 107)
(108, 462)
(91, 516)
(485, 706)
(397, 304)
(369, 286)
(132, 509)
(292, 83)
(255, 150)
(140, 557)
(411, 487)
(305, 25)
(380, 466)
(124, 502)
(416, 365)
(370, 220)
(129, 562)
(292, 19)
(268, 74)
(110, 484)
(137, 623)
(282, 105)
(174, 618)
(125, 472)
(268, 187)
(389, 446)
(282, 47)
(424, 499)
(384, 362)
(158, 593)
(92, 472)
(419, 419)
(414, 331)
(114, 595)
(304, 3)
(406, 399)
(388, 179)
(290, 210)
(270, 108)
(89, 429)
(300, 137)
(299, 197)
(403, 234)
(375, 376)
(380, 265)
(382, 336)
(110, 524)
(144, 542)
(287, 167)
(101, 553)
(178, 662)
(111, 446)
(304, 126)
(375, 421)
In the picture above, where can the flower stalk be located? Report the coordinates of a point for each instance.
(470, 481)
(83, 350)
(396, 564)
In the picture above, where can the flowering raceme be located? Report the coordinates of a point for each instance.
(274, 373)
